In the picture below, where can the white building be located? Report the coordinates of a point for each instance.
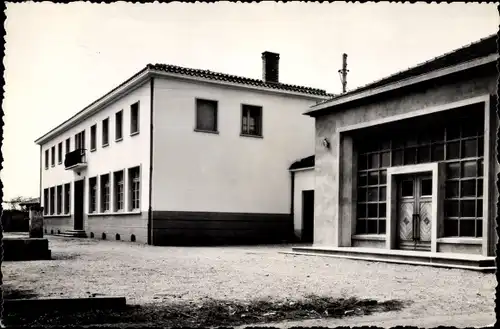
(180, 156)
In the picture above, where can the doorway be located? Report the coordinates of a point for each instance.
(307, 216)
(414, 208)
(78, 205)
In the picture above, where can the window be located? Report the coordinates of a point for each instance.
(118, 191)
(93, 132)
(455, 140)
(251, 120)
(46, 201)
(105, 132)
(134, 118)
(68, 146)
(134, 188)
(80, 140)
(46, 159)
(92, 194)
(53, 156)
(52, 200)
(105, 193)
(119, 126)
(67, 198)
(59, 199)
(206, 115)
(59, 153)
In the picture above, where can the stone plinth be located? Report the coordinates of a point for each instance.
(36, 222)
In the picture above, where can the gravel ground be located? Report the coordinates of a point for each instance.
(146, 274)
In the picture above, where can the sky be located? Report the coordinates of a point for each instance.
(61, 57)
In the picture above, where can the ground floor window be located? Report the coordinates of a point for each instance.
(46, 201)
(67, 198)
(92, 194)
(105, 193)
(455, 139)
(52, 200)
(118, 190)
(59, 199)
(134, 188)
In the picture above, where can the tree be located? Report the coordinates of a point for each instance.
(15, 203)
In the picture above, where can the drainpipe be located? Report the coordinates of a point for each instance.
(150, 209)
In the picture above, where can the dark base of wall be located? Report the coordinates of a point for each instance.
(173, 228)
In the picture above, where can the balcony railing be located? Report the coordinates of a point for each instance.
(75, 159)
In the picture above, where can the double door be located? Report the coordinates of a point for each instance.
(415, 212)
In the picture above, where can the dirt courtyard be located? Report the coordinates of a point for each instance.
(146, 274)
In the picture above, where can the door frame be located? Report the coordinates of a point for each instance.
(437, 172)
(82, 212)
(303, 224)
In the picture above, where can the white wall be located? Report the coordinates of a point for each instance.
(304, 180)
(130, 152)
(225, 172)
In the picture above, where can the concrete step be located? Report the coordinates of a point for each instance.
(463, 261)
(73, 234)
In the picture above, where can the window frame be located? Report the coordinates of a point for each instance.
(119, 114)
(52, 200)
(133, 199)
(67, 198)
(47, 158)
(93, 138)
(119, 190)
(216, 116)
(68, 145)
(53, 156)
(105, 132)
(258, 124)
(105, 196)
(59, 153)
(136, 106)
(93, 194)
(46, 201)
(59, 199)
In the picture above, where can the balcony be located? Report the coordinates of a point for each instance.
(75, 160)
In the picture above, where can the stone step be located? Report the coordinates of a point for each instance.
(463, 261)
(73, 234)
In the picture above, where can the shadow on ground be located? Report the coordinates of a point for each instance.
(10, 293)
(210, 313)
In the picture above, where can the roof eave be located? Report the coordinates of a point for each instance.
(353, 96)
(125, 87)
(240, 85)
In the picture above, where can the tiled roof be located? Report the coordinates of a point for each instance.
(303, 163)
(481, 48)
(207, 74)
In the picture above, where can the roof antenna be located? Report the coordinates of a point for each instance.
(343, 73)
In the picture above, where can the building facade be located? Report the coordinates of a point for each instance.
(180, 156)
(407, 165)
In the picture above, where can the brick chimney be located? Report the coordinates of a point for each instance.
(270, 66)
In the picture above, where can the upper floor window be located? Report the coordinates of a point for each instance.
(105, 132)
(46, 159)
(53, 156)
(134, 118)
(93, 132)
(119, 126)
(80, 140)
(251, 120)
(52, 200)
(59, 153)
(206, 115)
(68, 146)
